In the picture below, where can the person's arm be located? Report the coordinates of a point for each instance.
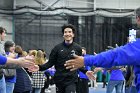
(125, 55)
(23, 62)
(10, 66)
(51, 61)
(45, 66)
(40, 67)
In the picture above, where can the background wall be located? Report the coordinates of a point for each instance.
(7, 23)
(109, 4)
(37, 24)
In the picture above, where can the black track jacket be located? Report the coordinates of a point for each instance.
(59, 55)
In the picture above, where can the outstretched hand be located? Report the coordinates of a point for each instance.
(26, 63)
(90, 75)
(75, 63)
(33, 68)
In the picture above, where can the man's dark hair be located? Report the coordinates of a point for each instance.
(68, 26)
(2, 30)
(137, 11)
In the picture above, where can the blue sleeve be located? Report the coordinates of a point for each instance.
(125, 55)
(3, 60)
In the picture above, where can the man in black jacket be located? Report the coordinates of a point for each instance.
(64, 79)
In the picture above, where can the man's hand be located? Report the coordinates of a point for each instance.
(90, 75)
(24, 62)
(75, 63)
(33, 68)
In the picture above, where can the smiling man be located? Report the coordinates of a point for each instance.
(65, 80)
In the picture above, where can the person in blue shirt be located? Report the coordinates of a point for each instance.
(128, 54)
(116, 77)
(116, 80)
(82, 85)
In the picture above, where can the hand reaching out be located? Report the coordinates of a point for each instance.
(90, 75)
(23, 62)
(75, 63)
(33, 68)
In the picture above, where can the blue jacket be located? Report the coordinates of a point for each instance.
(124, 55)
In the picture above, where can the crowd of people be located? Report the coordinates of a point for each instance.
(26, 72)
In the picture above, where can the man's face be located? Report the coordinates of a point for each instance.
(68, 34)
(2, 36)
